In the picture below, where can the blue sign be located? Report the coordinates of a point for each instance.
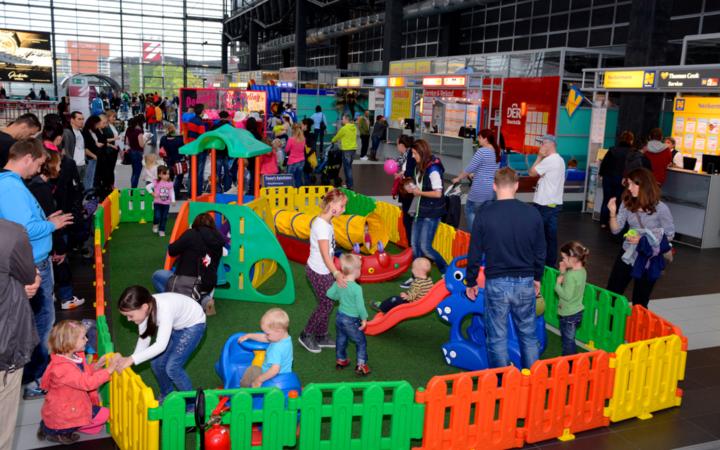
(279, 180)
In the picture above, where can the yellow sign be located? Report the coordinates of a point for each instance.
(396, 82)
(697, 105)
(432, 81)
(696, 125)
(401, 104)
(423, 67)
(624, 79)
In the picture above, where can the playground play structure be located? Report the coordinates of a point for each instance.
(636, 360)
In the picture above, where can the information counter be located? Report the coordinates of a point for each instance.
(454, 152)
(694, 201)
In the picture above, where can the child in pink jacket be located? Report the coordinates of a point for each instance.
(71, 402)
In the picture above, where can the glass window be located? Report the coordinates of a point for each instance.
(560, 5)
(539, 25)
(558, 22)
(577, 39)
(541, 7)
(602, 16)
(600, 37)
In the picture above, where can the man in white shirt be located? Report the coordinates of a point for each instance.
(74, 143)
(548, 199)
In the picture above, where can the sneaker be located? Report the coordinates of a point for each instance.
(41, 433)
(161, 234)
(308, 341)
(363, 158)
(406, 284)
(33, 393)
(156, 228)
(376, 306)
(362, 370)
(326, 341)
(65, 439)
(72, 303)
(341, 363)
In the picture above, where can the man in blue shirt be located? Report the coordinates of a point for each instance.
(17, 204)
(509, 233)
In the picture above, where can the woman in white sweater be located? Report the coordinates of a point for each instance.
(176, 322)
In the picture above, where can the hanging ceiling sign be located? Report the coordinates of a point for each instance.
(705, 78)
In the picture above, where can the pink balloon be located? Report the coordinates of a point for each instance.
(391, 167)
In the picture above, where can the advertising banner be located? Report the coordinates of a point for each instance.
(696, 125)
(79, 93)
(529, 111)
(230, 100)
(401, 104)
(705, 78)
(25, 56)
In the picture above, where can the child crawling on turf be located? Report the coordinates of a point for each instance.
(351, 317)
(278, 355)
(418, 289)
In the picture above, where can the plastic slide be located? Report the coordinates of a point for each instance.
(383, 322)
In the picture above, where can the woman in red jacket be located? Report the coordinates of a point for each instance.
(71, 402)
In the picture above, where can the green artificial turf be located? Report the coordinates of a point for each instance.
(410, 351)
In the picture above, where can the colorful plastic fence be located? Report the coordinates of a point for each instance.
(136, 205)
(358, 204)
(130, 401)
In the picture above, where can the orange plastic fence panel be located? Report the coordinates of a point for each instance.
(403, 241)
(181, 226)
(99, 282)
(461, 244)
(644, 324)
(568, 395)
(474, 410)
(107, 217)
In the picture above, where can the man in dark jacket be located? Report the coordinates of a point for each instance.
(18, 282)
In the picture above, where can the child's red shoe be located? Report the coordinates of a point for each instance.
(341, 363)
(362, 370)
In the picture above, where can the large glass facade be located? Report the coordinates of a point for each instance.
(160, 45)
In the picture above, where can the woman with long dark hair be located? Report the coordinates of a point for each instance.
(483, 165)
(653, 229)
(428, 204)
(175, 322)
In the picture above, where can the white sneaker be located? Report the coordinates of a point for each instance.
(363, 158)
(161, 234)
(155, 228)
(72, 303)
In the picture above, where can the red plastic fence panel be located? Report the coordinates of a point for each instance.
(567, 395)
(461, 244)
(644, 324)
(474, 410)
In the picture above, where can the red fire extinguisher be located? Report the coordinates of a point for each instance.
(216, 436)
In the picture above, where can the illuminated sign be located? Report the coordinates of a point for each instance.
(27, 56)
(380, 82)
(353, 82)
(448, 93)
(705, 78)
(396, 82)
(629, 79)
(432, 81)
(342, 82)
(454, 81)
(698, 105)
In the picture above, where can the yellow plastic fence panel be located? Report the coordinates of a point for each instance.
(443, 242)
(114, 208)
(130, 400)
(646, 377)
(390, 215)
(309, 198)
(279, 197)
(263, 270)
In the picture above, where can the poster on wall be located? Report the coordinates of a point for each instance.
(79, 93)
(529, 111)
(401, 104)
(27, 56)
(230, 100)
(695, 125)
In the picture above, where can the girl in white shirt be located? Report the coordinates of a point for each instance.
(177, 323)
(321, 272)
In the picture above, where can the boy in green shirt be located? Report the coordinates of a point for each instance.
(351, 316)
(570, 288)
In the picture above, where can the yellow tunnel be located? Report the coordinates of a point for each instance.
(349, 229)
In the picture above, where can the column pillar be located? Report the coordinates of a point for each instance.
(300, 33)
(253, 43)
(392, 33)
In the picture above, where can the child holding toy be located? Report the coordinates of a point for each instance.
(351, 317)
(420, 286)
(71, 402)
(321, 272)
(278, 355)
(163, 193)
(570, 287)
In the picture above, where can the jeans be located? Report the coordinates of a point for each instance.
(136, 157)
(89, 180)
(201, 158)
(222, 173)
(471, 209)
(391, 303)
(160, 279)
(152, 128)
(568, 327)
(423, 233)
(319, 137)
(375, 145)
(348, 328)
(169, 366)
(550, 217)
(364, 141)
(347, 167)
(296, 169)
(514, 296)
(160, 215)
(43, 306)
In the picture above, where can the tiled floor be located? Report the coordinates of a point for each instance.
(688, 294)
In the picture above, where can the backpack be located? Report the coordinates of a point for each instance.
(158, 114)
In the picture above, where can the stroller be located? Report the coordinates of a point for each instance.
(329, 166)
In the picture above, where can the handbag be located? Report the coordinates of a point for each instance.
(323, 127)
(180, 167)
(185, 285)
(126, 161)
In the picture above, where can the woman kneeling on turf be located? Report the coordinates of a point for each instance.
(177, 323)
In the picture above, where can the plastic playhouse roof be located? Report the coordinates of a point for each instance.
(238, 142)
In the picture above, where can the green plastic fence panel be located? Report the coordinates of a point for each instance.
(104, 346)
(251, 241)
(376, 405)
(278, 422)
(604, 318)
(358, 204)
(547, 289)
(136, 205)
(100, 223)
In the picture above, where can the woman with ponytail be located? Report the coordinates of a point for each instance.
(175, 322)
(483, 165)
